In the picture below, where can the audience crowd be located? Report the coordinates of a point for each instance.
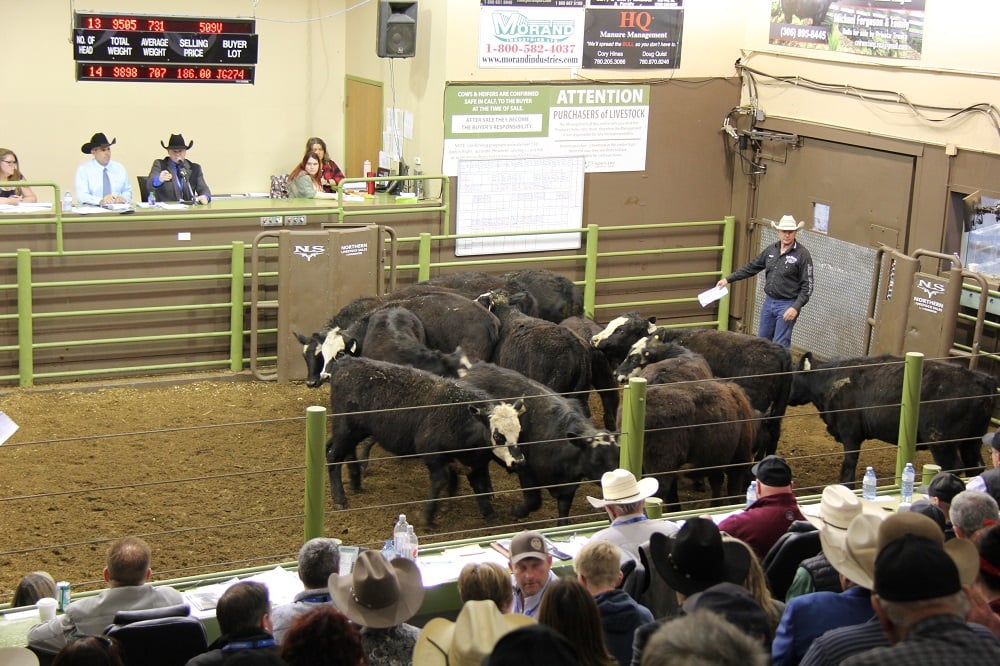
(917, 586)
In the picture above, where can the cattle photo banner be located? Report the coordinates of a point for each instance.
(879, 28)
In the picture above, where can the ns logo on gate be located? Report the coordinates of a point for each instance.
(309, 251)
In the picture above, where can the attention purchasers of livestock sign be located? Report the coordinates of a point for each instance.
(602, 34)
(882, 28)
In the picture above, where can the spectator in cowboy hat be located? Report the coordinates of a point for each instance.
(623, 498)
(176, 178)
(692, 561)
(848, 529)
(972, 511)
(776, 508)
(942, 490)
(100, 180)
(534, 645)
(531, 565)
(989, 481)
(381, 596)
(919, 599)
(467, 640)
(788, 281)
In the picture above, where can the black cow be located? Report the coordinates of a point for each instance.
(673, 370)
(546, 352)
(450, 320)
(650, 351)
(397, 335)
(409, 411)
(549, 296)
(955, 410)
(602, 376)
(814, 10)
(761, 367)
(699, 425)
(561, 446)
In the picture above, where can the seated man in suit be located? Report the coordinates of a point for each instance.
(175, 178)
(127, 574)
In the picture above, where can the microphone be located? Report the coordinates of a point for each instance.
(185, 172)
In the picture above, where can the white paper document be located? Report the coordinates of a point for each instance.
(712, 295)
(7, 427)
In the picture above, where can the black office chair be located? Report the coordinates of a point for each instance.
(143, 187)
(800, 542)
(166, 636)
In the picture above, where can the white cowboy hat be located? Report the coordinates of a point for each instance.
(467, 640)
(838, 510)
(787, 223)
(619, 487)
(856, 560)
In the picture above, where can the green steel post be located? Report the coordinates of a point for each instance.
(236, 287)
(909, 412)
(25, 335)
(315, 464)
(424, 257)
(633, 426)
(728, 235)
(446, 205)
(590, 272)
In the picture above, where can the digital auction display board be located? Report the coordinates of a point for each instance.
(177, 49)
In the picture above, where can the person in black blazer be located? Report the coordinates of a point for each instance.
(175, 178)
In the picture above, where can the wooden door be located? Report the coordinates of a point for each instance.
(362, 125)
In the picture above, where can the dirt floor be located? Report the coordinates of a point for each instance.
(211, 474)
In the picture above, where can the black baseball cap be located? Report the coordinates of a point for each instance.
(944, 486)
(992, 440)
(773, 471)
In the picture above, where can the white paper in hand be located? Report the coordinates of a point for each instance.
(7, 427)
(712, 295)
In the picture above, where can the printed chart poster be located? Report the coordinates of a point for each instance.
(633, 35)
(881, 28)
(524, 34)
(607, 125)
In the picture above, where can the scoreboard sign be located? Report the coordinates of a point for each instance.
(113, 47)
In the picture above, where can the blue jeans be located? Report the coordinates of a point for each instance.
(772, 325)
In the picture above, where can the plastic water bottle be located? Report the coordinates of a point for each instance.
(418, 185)
(751, 493)
(869, 486)
(389, 551)
(400, 536)
(67, 202)
(906, 493)
(151, 199)
(411, 543)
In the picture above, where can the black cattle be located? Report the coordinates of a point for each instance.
(409, 411)
(397, 335)
(602, 376)
(814, 10)
(546, 352)
(555, 297)
(649, 351)
(673, 370)
(450, 321)
(955, 410)
(561, 447)
(620, 334)
(694, 426)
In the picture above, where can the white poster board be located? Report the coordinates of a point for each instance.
(531, 194)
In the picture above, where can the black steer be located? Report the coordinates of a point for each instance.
(955, 410)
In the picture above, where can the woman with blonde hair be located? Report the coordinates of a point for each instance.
(756, 582)
(486, 581)
(10, 171)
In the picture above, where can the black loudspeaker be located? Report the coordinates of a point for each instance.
(397, 29)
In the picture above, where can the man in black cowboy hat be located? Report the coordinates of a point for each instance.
(101, 181)
(175, 178)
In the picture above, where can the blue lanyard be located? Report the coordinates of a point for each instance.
(317, 598)
(248, 645)
(629, 521)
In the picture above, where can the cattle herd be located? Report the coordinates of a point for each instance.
(471, 368)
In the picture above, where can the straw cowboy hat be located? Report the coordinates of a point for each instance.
(787, 223)
(176, 142)
(850, 553)
(620, 487)
(467, 640)
(697, 558)
(97, 141)
(378, 593)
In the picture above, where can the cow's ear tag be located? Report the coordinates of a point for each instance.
(806, 365)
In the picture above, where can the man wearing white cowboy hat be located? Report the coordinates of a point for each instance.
(381, 596)
(469, 639)
(788, 281)
(100, 180)
(848, 529)
(175, 178)
(624, 499)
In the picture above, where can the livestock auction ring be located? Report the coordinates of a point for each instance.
(210, 473)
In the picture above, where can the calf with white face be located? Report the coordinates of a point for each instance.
(410, 411)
